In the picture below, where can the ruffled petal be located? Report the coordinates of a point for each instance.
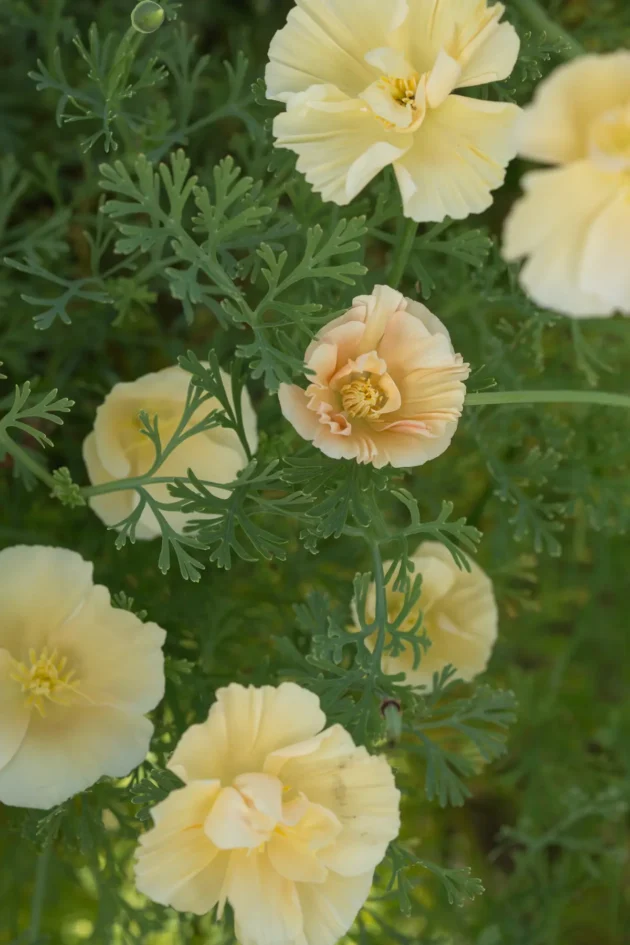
(358, 788)
(294, 852)
(345, 333)
(411, 443)
(68, 750)
(113, 507)
(550, 226)
(340, 145)
(325, 41)
(459, 613)
(119, 658)
(209, 457)
(295, 861)
(443, 78)
(294, 406)
(266, 907)
(322, 364)
(412, 341)
(555, 127)
(330, 908)
(470, 33)
(117, 449)
(176, 863)
(263, 791)
(491, 54)
(14, 713)
(380, 306)
(605, 269)
(116, 424)
(234, 824)
(434, 392)
(244, 725)
(62, 580)
(358, 445)
(464, 619)
(184, 808)
(458, 157)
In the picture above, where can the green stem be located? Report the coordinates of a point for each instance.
(402, 253)
(547, 397)
(53, 16)
(140, 482)
(25, 458)
(39, 894)
(380, 610)
(543, 22)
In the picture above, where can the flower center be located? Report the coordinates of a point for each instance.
(45, 678)
(402, 91)
(361, 398)
(258, 814)
(610, 140)
(397, 96)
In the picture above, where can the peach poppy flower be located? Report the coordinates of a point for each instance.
(280, 818)
(369, 83)
(572, 227)
(385, 384)
(459, 616)
(77, 677)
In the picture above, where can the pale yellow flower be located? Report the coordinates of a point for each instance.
(76, 678)
(117, 449)
(368, 83)
(385, 384)
(459, 616)
(573, 224)
(284, 821)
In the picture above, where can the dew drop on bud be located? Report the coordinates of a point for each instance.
(147, 16)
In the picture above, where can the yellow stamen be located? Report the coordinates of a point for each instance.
(610, 140)
(361, 398)
(402, 90)
(45, 678)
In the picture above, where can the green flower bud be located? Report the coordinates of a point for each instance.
(147, 16)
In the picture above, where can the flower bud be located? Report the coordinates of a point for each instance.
(147, 16)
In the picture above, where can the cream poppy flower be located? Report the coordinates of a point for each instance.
(573, 224)
(459, 615)
(368, 83)
(385, 384)
(76, 678)
(284, 821)
(116, 449)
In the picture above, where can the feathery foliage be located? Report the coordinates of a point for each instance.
(145, 220)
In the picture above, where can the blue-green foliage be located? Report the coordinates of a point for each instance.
(145, 220)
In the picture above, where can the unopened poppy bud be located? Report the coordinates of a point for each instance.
(391, 710)
(147, 16)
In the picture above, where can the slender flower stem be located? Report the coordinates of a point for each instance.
(482, 399)
(25, 458)
(540, 20)
(140, 482)
(39, 894)
(402, 253)
(380, 610)
(548, 397)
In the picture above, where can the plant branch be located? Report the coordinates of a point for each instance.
(402, 253)
(39, 894)
(28, 461)
(380, 610)
(524, 397)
